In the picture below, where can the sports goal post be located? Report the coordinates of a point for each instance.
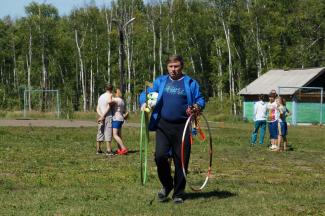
(41, 100)
(305, 103)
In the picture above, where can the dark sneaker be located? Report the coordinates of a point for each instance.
(178, 200)
(109, 153)
(99, 152)
(163, 195)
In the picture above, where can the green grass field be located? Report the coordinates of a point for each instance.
(54, 171)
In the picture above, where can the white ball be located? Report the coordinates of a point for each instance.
(152, 99)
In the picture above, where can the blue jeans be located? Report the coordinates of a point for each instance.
(259, 124)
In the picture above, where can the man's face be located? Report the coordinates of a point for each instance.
(271, 99)
(174, 70)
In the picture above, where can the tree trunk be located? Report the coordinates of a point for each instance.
(121, 59)
(91, 86)
(109, 30)
(172, 26)
(173, 36)
(260, 55)
(82, 75)
(91, 81)
(43, 84)
(15, 65)
(191, 57)
(230, 78)
(29, 67)
(154, 49)
(220, 75)
(160, 39)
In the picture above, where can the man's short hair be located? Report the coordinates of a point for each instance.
(261, 97)
(175, 58)
(109, 87)
(273, 94)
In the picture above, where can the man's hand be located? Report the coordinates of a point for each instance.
(195, 109)
(143, 107)
(100, 120)
(126, 115)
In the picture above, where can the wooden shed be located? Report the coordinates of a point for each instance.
(302, 89)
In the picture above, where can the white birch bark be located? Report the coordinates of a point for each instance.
(260, 61)
(82, 75)
(29, 67)
(220, 74)
(191, 57)
(61, 74)
(160, 39)
(44, 72)
(198, 48)
(230, 71)
(91, 81)
(173, 36)
(154, 49)
(259, 51)
(91, 86)
(109, 30)
(172, 26)
(15, 64)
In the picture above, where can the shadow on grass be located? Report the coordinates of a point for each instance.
(133, 151)
(217, 194)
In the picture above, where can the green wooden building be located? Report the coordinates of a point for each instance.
(302, 89)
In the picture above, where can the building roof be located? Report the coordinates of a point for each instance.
(274, 79)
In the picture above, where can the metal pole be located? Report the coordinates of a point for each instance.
(294, 111)
(121, 27)
(57, 103)
(244, 110)
(321, 106)
(121, 58)
(25, 97)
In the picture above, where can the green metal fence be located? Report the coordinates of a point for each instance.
(305, 112)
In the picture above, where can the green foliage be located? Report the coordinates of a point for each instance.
(262, 34)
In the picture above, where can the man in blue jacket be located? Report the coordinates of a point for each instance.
(177, 94)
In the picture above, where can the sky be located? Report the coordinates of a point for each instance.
(16, 8)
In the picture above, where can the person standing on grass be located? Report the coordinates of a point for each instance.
(177, 93)
(282, 125)
(104, 133)
(273, 116)
(260, 110)
(118, 119)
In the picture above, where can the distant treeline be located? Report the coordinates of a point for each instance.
(226, 44)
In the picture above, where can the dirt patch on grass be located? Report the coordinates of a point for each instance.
(54, 123)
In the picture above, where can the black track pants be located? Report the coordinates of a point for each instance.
(169, 140)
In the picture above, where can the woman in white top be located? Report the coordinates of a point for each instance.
(259, 120)
(118, 119)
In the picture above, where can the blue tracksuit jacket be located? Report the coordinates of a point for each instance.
(193, 93)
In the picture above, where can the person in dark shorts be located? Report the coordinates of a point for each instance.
(273, 116)
(119, 115)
